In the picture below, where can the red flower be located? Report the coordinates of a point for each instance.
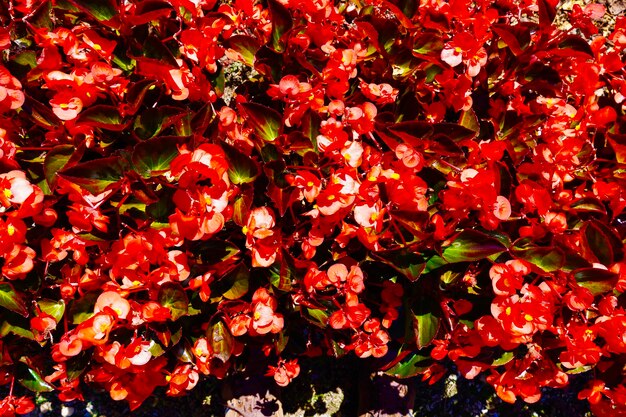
(66, 105)
(11, 95)
(284, 372)
(264, 317)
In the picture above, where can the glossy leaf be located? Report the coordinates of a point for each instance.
(221, 341)
(97, 175)
(20, 330)
(56, 159)
(136, 94)
(425, 327)
(31, 380)
(472, 245)
(237, 282)
(406, 261)
(265, 122)
(316, 316)
(173, 296)
(246, 46)
(242, 206)
(12, 299)
(102, 116)
(548, 259)
(153, 157)
(82, 308)
(242, 169)
(215, 251)
(101, 10)
(601, 243)
(154, 120)
(281, 24)
(413, 364)
(598, 281)
(52, 307)
(505, 358)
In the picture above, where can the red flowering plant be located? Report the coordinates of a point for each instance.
(418, 183)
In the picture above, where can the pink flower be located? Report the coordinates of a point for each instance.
(66, 105)
(285, 372)
(15, 187)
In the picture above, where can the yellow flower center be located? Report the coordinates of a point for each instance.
(7, 193)
(508, 311)
(528, 317)
(11, 230)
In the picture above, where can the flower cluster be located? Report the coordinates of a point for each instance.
(186, 185)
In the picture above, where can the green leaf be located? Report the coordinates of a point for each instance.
(266, 122)
(412, 132)
(153, 157)
(19, 330)
(469, 120)
(136, 94)
(454, 131)
(237, 282)
(155, 349)
(472, 245)
(215, 251)
(154, 120)
(281, 24)
(242, 169)
(102, 116)
(433, 263)
(588, 204)
(31, 380)
(596, 280)
(281, 273)
(12, 300)
(601, 243)
(316, 316)
(221, 341)
(403, 260)
(82, 309)
(411, 365)
(246, 46)
(41, 114)
(55, 308)
(548, 259)
(505, 358)
(427, 42)
(173, 296)
(241, 207)
(55, 161)
(97, 175)
(425, 327)
(41, 17)
(153, 48)
(76, 365)
(101, 10)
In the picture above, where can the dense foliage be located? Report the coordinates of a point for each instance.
(185, 182)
